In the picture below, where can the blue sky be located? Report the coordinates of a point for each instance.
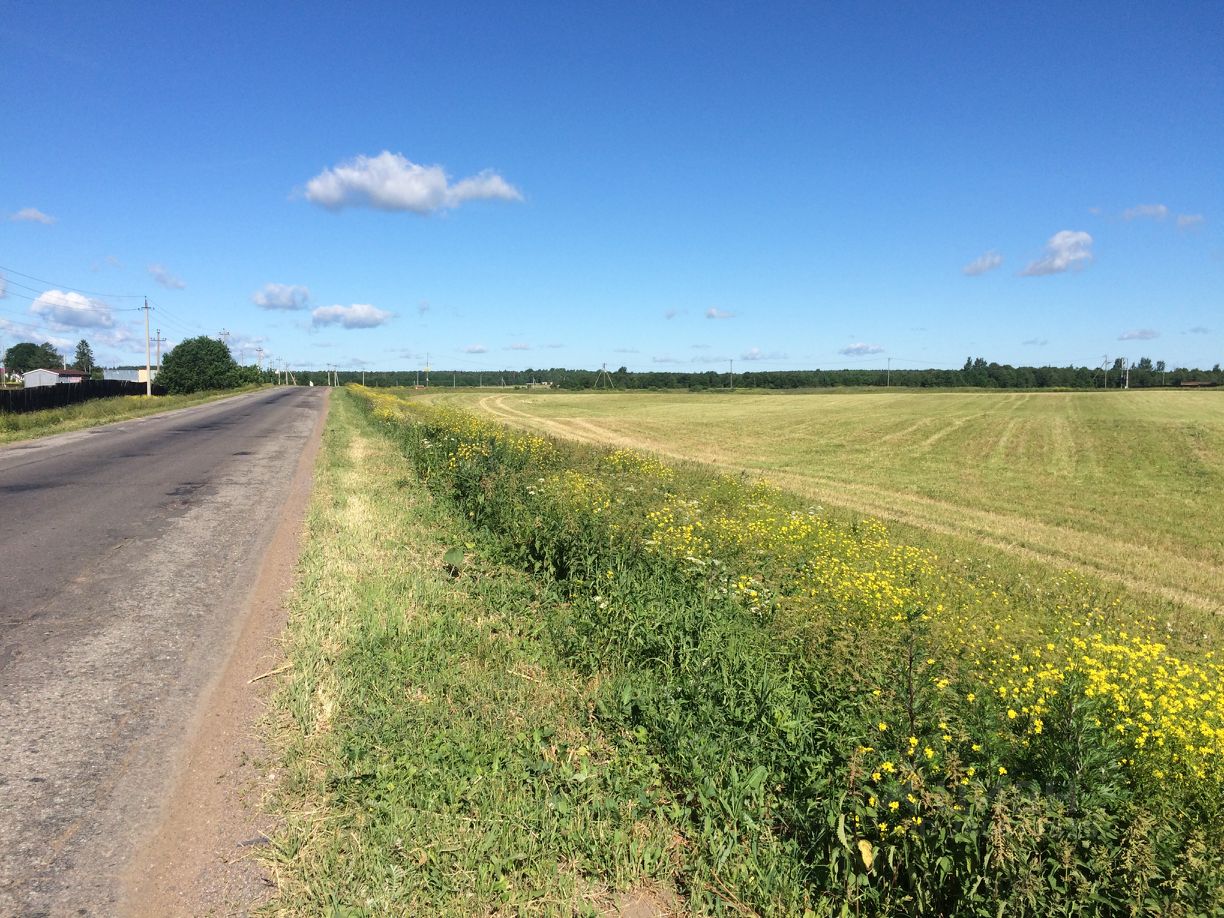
(660, 186)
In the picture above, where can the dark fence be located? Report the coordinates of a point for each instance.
(41, 398)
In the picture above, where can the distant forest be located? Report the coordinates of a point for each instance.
(1145, 374)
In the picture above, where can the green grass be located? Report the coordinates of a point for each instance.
(843, 724)
(32, 424)
(1122, 485)
(439, 758)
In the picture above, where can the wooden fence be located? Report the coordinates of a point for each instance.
(41, 398)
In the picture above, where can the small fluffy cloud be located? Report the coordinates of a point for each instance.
(861, 350)
(165, 278)
(666, 359)
(715, 313)
(520, 346)
(1036, 342)
(1200, 330)
(1147, 212)
(1139, 334)
(72, 310)
(983, 263)
(672, 313)
(755, 353)
(31, 215)
(390, 181)
(359, 315)
(281, 296)
(475, 349)
(1066, 250)
(1190, 221)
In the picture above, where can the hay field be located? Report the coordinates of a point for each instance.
(1125, 485)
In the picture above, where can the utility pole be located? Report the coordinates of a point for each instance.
(259, 357)
(454, 380)
(223, 336)
(1128, 366)
(426, 369)
(888, 375)
(159, 341)
(148, 356)
(731, 380)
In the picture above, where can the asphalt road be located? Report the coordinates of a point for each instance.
(127, 553)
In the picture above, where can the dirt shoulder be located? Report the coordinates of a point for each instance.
(201, 859)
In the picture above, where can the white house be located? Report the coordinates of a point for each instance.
(34, 378)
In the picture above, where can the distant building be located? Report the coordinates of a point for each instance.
(128, 374)
(34, 378)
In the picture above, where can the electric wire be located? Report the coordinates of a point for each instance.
(116, 296)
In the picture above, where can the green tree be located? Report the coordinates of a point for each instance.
(84, 359)
(199, 363)
(26, 356)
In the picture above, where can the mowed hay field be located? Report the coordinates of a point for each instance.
(1126, 485)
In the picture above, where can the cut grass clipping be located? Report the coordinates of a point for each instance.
(842, 724)
(440, 758)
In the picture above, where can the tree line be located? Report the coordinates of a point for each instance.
(976, 373)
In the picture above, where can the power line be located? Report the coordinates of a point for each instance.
(55, 301)
(118, 296)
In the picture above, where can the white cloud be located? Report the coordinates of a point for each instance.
(715, 313)
(423, 307)
(554, 345)
(1139, 334)
(1148, 211)
(624, 350)
(1200, 330)
(1190, 221)
(666, 359)
(110, 261)
(32, 215)
(755, 353)
(983, 263)
(672, 313)
(389, 181)
(520, 346)
(861, 350)
(160, 274)
(475, 349)
(1036, 342)
(72, 310)
(359, 315)
(281, 296)
(1066, 250)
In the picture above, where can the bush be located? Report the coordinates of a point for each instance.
(197, 364)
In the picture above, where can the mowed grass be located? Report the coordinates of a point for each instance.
(1123, 485)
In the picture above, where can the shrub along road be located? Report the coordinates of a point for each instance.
(128, 555)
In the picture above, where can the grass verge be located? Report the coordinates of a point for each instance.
(438, 757)
(846, 726)
(29, 425)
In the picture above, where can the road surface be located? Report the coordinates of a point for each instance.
(127, 553)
